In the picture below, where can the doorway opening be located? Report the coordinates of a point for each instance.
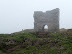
(46, 28)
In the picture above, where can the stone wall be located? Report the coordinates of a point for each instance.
(49, 18)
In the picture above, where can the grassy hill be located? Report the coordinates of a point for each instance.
(36, 43)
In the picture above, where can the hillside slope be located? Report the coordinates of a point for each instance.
(36, 43)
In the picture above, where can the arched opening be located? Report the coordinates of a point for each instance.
(45, 28)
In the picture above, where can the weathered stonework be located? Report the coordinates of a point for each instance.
(49, 18)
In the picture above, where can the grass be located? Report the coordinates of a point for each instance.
(33, 43)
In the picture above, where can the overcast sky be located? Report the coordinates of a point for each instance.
(16, 15)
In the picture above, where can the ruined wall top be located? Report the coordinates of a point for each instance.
(51, 15)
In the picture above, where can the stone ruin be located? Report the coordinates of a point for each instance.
(49, 18)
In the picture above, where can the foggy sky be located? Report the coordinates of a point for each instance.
(16, 15)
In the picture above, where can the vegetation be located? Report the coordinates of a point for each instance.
(36, 43)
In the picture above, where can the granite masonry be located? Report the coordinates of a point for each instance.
(49, 18)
